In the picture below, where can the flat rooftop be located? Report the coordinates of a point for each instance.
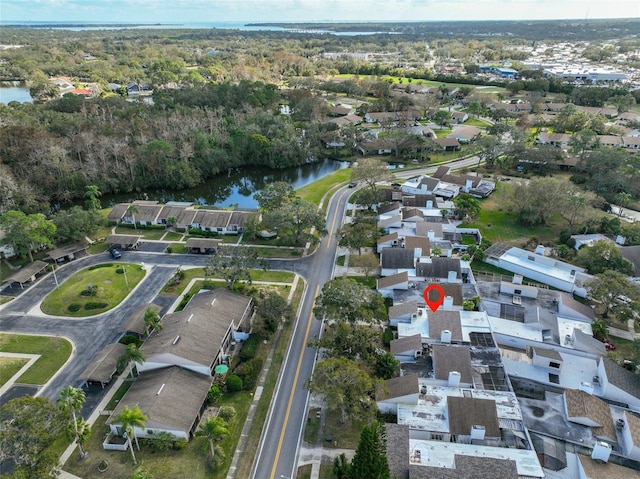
(441, 454)
(430, 412)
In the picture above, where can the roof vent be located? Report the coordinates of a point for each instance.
(189, 319)
(596, 380)
(175, 341)
(160, 390)
(620, 423)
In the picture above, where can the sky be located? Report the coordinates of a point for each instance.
(200, 11)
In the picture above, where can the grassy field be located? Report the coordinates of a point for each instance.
(112, 288)
(53, 351)
(256, 275)
(171, 236)
(9, 367)
(314, 192)
(343, 436)
(489, 89)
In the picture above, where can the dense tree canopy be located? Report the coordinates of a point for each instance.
(345, 299)
(28, 426)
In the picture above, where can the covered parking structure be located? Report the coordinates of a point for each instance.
(135, 322)
(123, 241)
(67, 253)
(202, 245)
(28, 273)
(104, 365)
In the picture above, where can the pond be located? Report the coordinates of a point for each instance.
(14, 91)
(237, 187)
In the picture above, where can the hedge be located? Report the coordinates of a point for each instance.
(101, 265)
(250, 347)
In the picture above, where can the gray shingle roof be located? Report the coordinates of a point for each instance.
(620, 377)
(448, 358)
(395, 258)
(159, 392)
(465, 412)
(439, 268)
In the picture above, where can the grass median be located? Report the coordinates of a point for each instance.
(93, 290)
(53, 351)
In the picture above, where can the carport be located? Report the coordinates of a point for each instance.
(202, 245)
(67, 253)
(104, 365)
(135, 323)
(124, 241)
(27, 273)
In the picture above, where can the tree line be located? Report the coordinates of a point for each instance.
(52, 152)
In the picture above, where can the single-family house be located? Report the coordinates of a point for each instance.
(378, 146)
(459, 116)
(340, 110)
(465, 134)
(448, 144)
(554, 139)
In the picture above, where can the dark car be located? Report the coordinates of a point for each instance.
(352, 185)
(396, 185)
(115, 254)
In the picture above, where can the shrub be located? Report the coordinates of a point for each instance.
(129, 339)
(214, 394)
(249, 373)
(73, 307)
(233, 383)
(101, 265)
(89, 290)
(169, 249)
(95, 305)
(388, 336)
(120, 271)
(250, 347)
(227, 412)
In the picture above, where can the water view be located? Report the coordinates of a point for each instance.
(237, 187)
(13, 91)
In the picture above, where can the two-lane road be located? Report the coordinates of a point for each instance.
(277, 455)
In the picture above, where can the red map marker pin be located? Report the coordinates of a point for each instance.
(434, 305)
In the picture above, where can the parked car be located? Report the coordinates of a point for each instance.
(115, 254)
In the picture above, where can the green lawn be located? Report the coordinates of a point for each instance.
(442, 132)
(171, 236)
(477, 122)
(112, 288)
(53, 351)
(315, 191)
(9, 367)
(343, 436)
(177, 248)
(5, 299)
(98, 247)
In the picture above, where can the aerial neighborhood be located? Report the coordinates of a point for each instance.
(347, 251)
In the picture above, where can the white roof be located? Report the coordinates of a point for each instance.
(566, 327)
(441, 454)
(514, 328)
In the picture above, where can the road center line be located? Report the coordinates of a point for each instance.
(293, 387)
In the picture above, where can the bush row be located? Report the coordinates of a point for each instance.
(101, 265)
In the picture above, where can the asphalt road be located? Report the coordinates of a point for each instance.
(281, 437)
(463, 163)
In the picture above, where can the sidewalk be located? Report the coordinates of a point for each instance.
(244, 435)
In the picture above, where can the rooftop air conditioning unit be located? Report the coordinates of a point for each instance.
(596, 380)
(620, 423)
(601, 451)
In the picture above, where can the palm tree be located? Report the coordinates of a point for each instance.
(600, 329)
(214, 429)
(151, 321)
(132, 353)
(133, 209)
(129, 419)
(81, 432)
(92, 193)
(70, 400)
